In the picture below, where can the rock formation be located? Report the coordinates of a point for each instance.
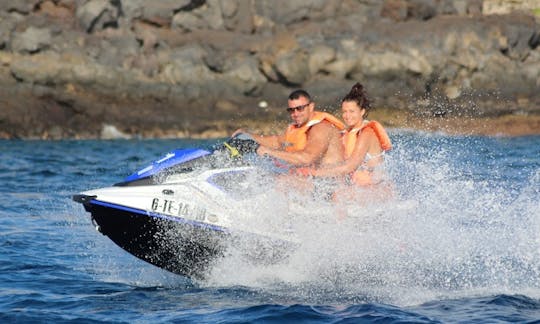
(72, 68)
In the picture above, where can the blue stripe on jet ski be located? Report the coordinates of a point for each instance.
(157, 215)
(175, 157)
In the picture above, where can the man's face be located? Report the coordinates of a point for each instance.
(300, 110)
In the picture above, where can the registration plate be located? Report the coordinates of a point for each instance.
(181, 209)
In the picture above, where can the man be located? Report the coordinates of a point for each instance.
(313, 138)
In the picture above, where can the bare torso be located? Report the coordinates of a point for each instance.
(323, 148)
(332, 152)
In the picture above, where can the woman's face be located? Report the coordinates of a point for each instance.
(351, 113)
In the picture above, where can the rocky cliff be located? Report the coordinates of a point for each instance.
(107, 68)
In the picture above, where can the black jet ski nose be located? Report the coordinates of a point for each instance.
(83, 199)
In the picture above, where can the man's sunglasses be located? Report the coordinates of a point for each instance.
(299, 108)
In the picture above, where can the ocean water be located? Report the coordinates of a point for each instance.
(460, 243)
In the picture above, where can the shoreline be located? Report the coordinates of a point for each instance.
(507, 125)
(502, 126)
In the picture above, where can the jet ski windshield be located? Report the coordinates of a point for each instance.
(235, 151)
(174, 161)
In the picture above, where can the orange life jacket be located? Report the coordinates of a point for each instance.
(350, 137)
(363, 176)
(296, 137)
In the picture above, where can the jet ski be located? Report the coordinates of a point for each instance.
(183, 211)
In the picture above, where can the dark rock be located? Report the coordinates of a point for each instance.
(97, 14)
(208, 16)
(22, 7)
(7, 26)
(401, 10)
(421, 9)
(534, 41)
(394, 9)
(159, 13)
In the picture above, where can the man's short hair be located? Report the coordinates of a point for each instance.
(296, 94)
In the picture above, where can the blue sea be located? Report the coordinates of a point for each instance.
(461, 243)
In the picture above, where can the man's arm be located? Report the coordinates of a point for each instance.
(316, 145)
(272, 141)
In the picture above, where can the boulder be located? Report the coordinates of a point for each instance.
(63, 12)
(97, 14)
(22, 7)
(287, 12)
(37, 69)
(207, 16)
(159, 13)
(117, 49)
(7, 26)
(292, 68)
(347, 55)
(32, 40)
(187, 21)
(242, 73)
(319, 57)
(237, 16)
(186, 66)
(395, 10)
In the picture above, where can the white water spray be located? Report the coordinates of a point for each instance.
(455, 229)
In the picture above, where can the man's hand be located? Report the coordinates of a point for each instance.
(238, 131)
(316, 146)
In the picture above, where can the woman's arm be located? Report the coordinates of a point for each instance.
(353, 162)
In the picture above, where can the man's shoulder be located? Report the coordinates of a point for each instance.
(327, 125)
(324, 127)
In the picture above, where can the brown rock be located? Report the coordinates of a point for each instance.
(394, 9)
(63, 13)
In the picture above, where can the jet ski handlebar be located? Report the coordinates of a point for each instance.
(241, 144)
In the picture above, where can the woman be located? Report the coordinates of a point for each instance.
(365, 143)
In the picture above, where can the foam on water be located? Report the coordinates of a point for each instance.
(462, 234)
(465, 222)
(455, 228)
